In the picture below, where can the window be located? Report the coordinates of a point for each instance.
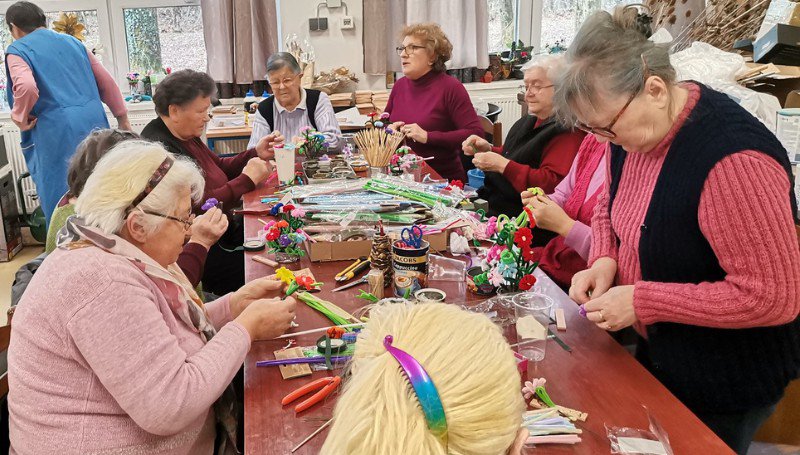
(502, 24)
(561, 19)
(167, 37)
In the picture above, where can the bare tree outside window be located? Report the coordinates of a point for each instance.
(502, 24)
(169, 37)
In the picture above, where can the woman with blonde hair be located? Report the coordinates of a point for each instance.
(113, 351)
(693, 239)
(432, 108)
(473, 405)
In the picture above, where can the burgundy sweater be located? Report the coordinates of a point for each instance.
(440, 105)
(224, 179)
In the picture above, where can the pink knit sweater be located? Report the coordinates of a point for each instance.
(98, 363)
(744, 213)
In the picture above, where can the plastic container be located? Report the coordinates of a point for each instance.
(249, 98)
(475, 178)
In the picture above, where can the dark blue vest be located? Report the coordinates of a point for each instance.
(709, 369)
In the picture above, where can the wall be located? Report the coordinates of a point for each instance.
(333, 47)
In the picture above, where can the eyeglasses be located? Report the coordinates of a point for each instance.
(534, 88)
(606, 131)
(287, 81)
(187, 222)
(410, 49)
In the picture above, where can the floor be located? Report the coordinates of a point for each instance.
(7, 272)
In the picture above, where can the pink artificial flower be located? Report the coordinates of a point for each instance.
(269, 225)
(495, 278)
(395, 159)
(298, 212)
(494, 253)
(305, 128)
(491, 226)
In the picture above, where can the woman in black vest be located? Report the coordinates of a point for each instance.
(693, 240)
(537, 151)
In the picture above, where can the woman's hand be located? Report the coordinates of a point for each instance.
(396, 126)
(548, 214)
(475, 142)
(265, 319)
(262, 288)
(612, 310)
(266, 146)
(257, 169)
(415, 133)
(26, 125)
(490, 162)
(209, 227)
(593, 282)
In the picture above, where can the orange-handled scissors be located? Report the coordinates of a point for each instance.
(327, 385)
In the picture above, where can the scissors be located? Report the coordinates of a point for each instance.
(412, 236)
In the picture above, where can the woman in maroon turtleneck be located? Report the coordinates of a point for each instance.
(432, 108)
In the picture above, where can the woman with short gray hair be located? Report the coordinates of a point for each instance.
(695, 184)
(110, 335)
(292, 107)
(538, 151)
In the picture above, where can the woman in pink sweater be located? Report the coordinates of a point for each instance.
(113, 351)
(693, 239)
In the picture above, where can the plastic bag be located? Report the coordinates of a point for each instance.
(634, 441)
(718, 69)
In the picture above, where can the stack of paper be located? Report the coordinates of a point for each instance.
(342, 99)
(221, 110)
(363, 97)
(379, 100)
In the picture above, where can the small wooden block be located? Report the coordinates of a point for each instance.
(266, 261)
(572, 414)
(561, 320)
(292, 371)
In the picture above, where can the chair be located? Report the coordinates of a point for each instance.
(493, 131)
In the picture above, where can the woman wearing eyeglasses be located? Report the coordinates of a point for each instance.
(432, 108)
(693, 240)
(538, 152)
(292, 107)
(182, 102)
(113, 351)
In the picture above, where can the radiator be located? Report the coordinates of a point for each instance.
(504, 96)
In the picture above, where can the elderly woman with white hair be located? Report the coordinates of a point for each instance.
(113, 352)
(538, 152)
(292, 107)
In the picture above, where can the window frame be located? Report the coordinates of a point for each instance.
(120, 40)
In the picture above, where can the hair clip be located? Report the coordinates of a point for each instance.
(423, 386)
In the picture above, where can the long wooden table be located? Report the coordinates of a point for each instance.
(599, 376)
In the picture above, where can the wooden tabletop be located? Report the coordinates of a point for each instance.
(246, 131)
(599, 376)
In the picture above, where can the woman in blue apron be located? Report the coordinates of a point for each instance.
(68, 105)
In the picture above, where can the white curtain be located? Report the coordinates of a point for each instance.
(464, 21)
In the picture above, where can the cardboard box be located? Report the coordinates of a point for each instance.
(779, 45)
(351, 250)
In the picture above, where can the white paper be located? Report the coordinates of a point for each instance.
(639, 445)
(529, 328)
(351, 117)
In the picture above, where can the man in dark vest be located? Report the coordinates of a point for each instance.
(537, 151)
(292, 107)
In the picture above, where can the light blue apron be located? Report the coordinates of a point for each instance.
(68, 108)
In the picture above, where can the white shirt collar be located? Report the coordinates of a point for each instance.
(300, 105)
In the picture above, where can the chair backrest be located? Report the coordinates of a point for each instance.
(5, 337)
(493, 131)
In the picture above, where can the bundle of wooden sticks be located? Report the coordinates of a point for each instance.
(378, 145)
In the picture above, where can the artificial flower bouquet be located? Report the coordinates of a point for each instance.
(311, 143)
(404, 160)
(284, 235)
(509, 263)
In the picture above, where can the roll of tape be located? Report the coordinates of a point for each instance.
(253, 245)
(337, 345)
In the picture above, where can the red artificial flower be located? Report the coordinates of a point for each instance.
(273, 234)
(523, 237)
(287, 208)
(281, 224)
(527, 282)
(523, 54)
(531, 219)
(528, 254)
(305, 282)
(457, 183)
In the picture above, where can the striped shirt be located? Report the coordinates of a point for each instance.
(289, 122)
